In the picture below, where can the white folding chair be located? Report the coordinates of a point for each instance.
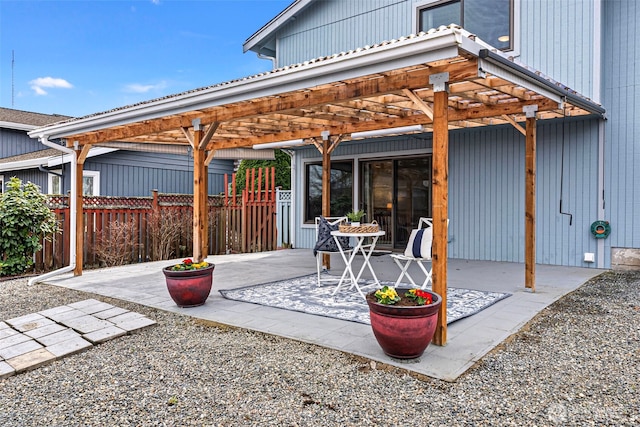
(334, 222)
(419, 251)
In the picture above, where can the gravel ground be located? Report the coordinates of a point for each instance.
(575, 364)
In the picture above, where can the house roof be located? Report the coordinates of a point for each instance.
(27, 120)
(265, 36)
(39, 155)
(375, 87)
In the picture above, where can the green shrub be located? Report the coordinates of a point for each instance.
(24, 220)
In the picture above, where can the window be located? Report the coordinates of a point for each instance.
(1, 184)
(341, 189)
(55, 182)
(90, 183)
(491, 20)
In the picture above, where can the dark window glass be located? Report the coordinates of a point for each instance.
(341, 189)
(488, 19)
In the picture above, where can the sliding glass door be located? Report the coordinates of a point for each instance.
(396, 193)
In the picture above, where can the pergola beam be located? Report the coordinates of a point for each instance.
(370, 86)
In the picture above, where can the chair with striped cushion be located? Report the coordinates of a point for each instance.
(418, 250)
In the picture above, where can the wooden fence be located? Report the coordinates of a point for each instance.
(124, 230)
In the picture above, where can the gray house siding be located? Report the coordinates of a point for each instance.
(557, 38)
(621, 89)
(16, 142)
(128, 173)
(567, 40)
(28, 175)
(486, 193)
(332, 26)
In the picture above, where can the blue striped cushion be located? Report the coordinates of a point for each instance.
(419, 245)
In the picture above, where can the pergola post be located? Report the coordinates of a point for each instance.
(77, 271)
(326, 190)
(200, 196)
(440, 198)
(530, 198)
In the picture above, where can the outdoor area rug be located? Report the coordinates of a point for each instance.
(304, 295)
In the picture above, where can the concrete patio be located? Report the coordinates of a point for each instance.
(468, 340)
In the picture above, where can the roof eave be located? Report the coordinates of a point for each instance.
(16, 126)
(272, 26)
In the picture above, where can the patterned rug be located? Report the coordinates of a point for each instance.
(302, 294)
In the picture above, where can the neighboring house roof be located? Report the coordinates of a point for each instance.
(27, 120)
(46, 158)
(41, 154)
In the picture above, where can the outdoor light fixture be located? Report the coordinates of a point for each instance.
(503, 39)
(389, 131)
(279, 144)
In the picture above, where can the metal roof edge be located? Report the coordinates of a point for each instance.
(560, 90)
(382, 57)
(24, 164)
(16, 126)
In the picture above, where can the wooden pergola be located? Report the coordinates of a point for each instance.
(441, 80)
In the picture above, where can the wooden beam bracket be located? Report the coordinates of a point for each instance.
(515, 124)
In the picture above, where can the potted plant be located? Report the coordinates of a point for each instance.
(189, 283)
(403, 320)
(355, 217)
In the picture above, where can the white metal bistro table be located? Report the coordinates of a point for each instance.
(366, 251)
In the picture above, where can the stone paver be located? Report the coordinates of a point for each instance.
(12, 340)
(31, 360)
(45, 330)
(66, 315)
(105, 334)
(112, 312)
(19, 349)
(91, 306)
(5, 333)
(35, 324)
(16, 321)
(68, 347)
(58, 337)
(53, 312)
(6, 370)
(29, 341)
(85, 324)
(135, 324)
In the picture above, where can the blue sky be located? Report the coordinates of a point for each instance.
(81, 57)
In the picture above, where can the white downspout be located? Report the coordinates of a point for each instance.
(72, 212)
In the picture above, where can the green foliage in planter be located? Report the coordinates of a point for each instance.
(24, 219)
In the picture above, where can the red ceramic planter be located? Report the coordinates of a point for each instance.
(404, 332)
(189, 288)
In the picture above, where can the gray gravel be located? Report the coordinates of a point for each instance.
(575, 364)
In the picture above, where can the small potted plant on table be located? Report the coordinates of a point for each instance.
(189, 283)
(403, 320)
(355, 217)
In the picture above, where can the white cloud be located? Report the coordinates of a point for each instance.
(155, 1)
(140, 88)
(49, 82)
